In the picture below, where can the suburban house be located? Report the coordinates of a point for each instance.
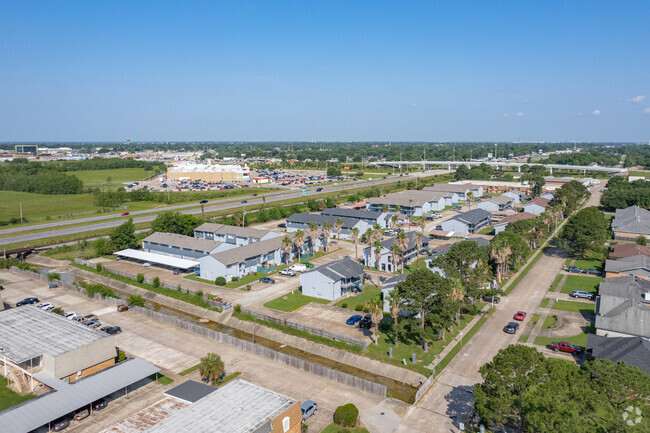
(388, 286)
(620, 251)
(537, 206)
(181, 246)
(411, 203)
(623, 307)
(234, 235)
(635, 265)
(370, 218)
(516, 196)
(237, 407)
(501, 225)
(548, 195)
(301, 221)
(498, 203)
(630, 223)
(461, 190)
(333, 280)
(631, 350)
(468, 222)
(386, 259)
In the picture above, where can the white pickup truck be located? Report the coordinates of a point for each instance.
(298, 267)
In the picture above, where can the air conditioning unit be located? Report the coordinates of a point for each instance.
(646, 296)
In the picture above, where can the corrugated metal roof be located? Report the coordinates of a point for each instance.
(182, 241)
(28, 332)
(56, 404)
(161, 259)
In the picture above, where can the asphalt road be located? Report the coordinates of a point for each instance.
(190, 208)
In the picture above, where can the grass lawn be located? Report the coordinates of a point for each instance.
(549, 321)
(333, 428)
(556, 283)
(575, 282)
(576, 307)
(544, 303)
(94, 178)
(486, 231)
(293, 301)
(524, 338)
(41, 206)
(368, 293)
(592, 260)
(568, 261)
(162, 379)
(10, 398)
(534, 320)
(189, 370)
(578, 340)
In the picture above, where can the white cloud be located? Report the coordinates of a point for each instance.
(595, 112)
(647, 110)
(505, 115)
(519, 114)
(637, 99)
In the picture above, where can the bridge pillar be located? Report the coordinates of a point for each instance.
(551, 168)
(448, 166)
(584, 171)
(519, 168)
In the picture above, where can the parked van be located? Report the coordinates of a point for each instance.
(298, 267)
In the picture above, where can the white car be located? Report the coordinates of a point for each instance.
(72, 315)
(298, 267)
(289, 272)
(45, 306)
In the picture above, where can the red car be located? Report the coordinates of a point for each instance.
(564, 347)
(521, 315)
(126, 213)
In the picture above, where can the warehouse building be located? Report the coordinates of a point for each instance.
(209, 173)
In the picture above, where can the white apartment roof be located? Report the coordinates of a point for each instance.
(238, 407)
(160, 259)
(205, 168)
(28, 332)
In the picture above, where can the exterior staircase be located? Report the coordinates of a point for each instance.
(19, 382)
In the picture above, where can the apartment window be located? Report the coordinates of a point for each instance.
(286, 424)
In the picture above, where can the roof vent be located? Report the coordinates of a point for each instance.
(646, 296)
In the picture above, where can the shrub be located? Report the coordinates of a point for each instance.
(344, 305)
(120, 356)
(237, 309)
(366, 309)
(140, 278)
(346, 415)
(23, 266)
(135, 300)
(235, 278)
(53, 276)
(59, 311)
(156, 282)
(199, 293)
(178, 288)
(220, 281)
(91, 289)
(359, 307)
(98, 266)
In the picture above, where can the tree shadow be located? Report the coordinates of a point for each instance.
(460, 403)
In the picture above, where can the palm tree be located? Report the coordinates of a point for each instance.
(377, 313)
(394, 252)
(378, 247)
(470, 199)
(299, 240)
(500, 252)
(394, 301)
(378, 231)
(354, 234)
(338, 226)
(397, 211)
(384, 208)
(402, 241)
(287, 246)
(313, 231)
(418, 246)
(327, 231)
(393, 221)
(422, 222)
(211, 367)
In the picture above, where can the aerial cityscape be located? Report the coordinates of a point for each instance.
(326, 217)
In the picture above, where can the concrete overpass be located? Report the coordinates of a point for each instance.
(451, 165)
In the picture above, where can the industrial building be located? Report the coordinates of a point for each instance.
(209, 173)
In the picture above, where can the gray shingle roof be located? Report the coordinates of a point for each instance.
(472, 217)
(246, 232)
(344, 268)
(632, 350)
(632, 220)
(182, 241)
(501, 199)
(624, 287)
(627, 264)
(388, 243)
(306, 218)
(352, 213)
(190, 391)
(240, 254)
(446, 187)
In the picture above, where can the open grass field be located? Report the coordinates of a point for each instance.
(40, 206)
(362, 298)
(575, 282)
(293, 301)
(10, 398)
(112, 179)
(576, 307)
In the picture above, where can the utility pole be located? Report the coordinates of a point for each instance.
(103, 197)
(243, 220)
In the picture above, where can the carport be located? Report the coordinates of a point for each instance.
(43, 410)
(159, 259)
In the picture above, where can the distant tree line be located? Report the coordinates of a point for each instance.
(622, 193)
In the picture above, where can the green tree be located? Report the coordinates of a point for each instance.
(175, 222)
(586, 230)
(461, 173)
(375, 306)
(333, 172)
(641, 240)
(123, 236)
(211, 367)
(102, 247)
(394, 304)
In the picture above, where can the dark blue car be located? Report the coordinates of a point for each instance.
(353, 320)
(267, 280)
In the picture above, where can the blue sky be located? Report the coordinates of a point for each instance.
(330, 70)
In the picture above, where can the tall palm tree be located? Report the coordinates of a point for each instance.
(394, 302)
(211, 367)
(287, 246)
(299, 240)
(422, 222)
(377, 313)
(418, 246)
(470, 199)
(398, 209)
(394, 253)
(354, 234)
(394, 222)
(402, 241)
(327, 231)
(378, 247)
(338, 226)
(500, 252)
(384, 208)
(313, 231)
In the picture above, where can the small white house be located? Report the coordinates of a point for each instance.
(333, 280)
(498, 204)
(517, 196)
(537, 206)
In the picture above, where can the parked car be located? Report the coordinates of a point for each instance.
(575, 269)
(308, 408)
(1, 287)
(582, 294)
(47, 306)
(126, 213)
(366, 322)
(458, 208)
(267, 280)
(254, 195)
(60, 424)
(319, 189)
(564, 346)
(520, 315)
(298, 267)
(511, 328)
(203, 202)
(353, 320)
(81, 414)
(26, 301)
(288, 272)
(308, 265)
(112, 330)
(88, 317)
(146, 264)
(122, 307)
(592, 272)
(244, 201)
(488, 298)
(72, 315)
(99, 404)
(93, 323)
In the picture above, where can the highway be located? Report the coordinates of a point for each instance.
(191, 209)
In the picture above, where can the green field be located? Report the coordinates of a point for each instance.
(40, 206)
(10, 398)
(368, 293)
(112, 179)
(575, 282)
(576, 307)
(293, 301)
